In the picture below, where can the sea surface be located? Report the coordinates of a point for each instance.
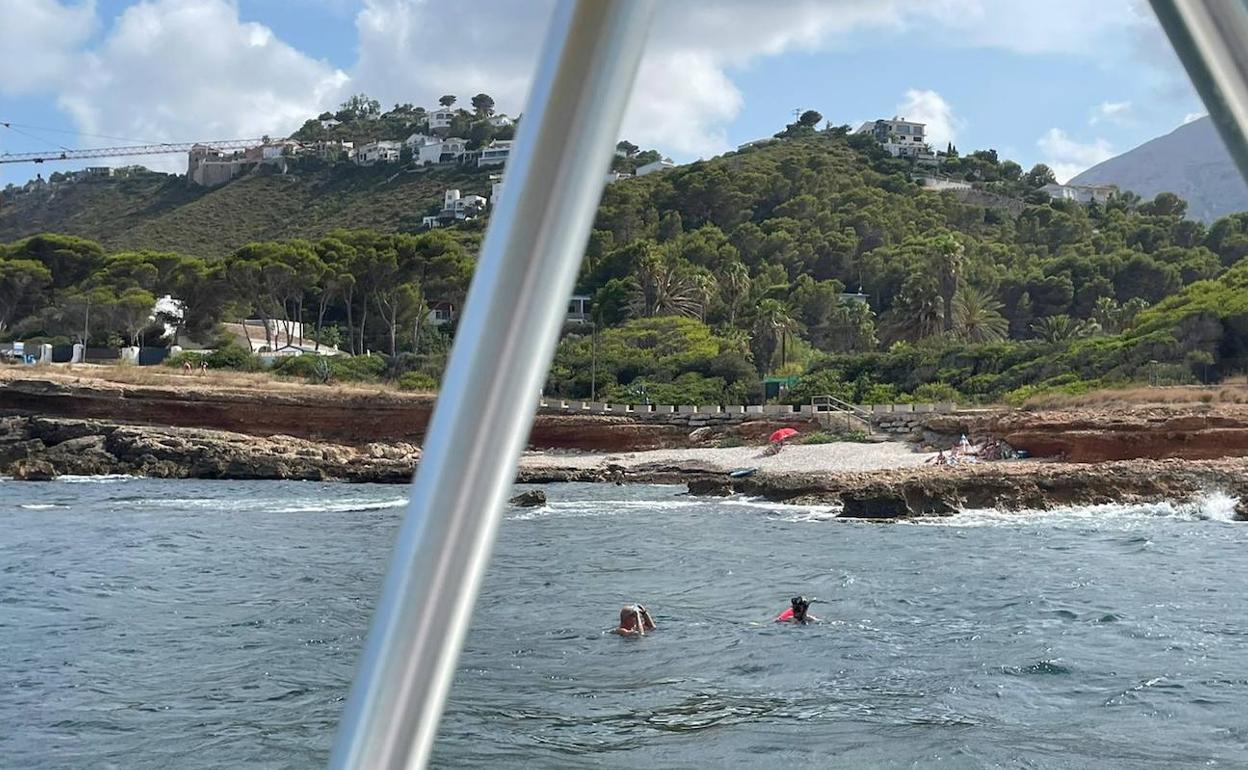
(187, 624)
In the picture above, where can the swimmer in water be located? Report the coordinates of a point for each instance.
(797, 612)
(635, 620)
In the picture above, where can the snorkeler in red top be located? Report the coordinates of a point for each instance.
(797, 612)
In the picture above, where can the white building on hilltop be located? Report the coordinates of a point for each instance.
(900, 138)
(384, 151)
(495, 153)
(1080, 193)
(662, 164)
(441, 117)
(457, 206)
(431, 150)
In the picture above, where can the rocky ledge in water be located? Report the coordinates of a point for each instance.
(913, 492)
(39, 448)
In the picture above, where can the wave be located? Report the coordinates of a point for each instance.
(107, 478)
(789, 512)
(1213, 506)
(41, 506)
(344, 506)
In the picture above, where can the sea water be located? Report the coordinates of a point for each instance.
(158, 624)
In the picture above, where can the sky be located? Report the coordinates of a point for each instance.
(1068, 83)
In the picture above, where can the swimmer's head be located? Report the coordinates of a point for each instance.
(800, 605)
(630, 617)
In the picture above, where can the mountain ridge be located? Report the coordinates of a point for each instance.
(1190, 162)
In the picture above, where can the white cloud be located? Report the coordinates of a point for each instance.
(684, 96)
(1068, 157)
(190, 69)
(181, 70)
(1111, 112)
(1191, 116)
(931, 108)
(1073, 27)
(39, 40)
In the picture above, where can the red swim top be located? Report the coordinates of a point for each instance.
(785, 616)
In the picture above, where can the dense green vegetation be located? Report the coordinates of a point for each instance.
(814, 256)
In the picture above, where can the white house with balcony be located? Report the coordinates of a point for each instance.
(662, 164)
(899, 137)
(458, 206)
(441, 117)
(1080, 193)
(383, 151)
(431, 150)
(495, 153)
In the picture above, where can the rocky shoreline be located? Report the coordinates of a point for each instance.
(38, 448)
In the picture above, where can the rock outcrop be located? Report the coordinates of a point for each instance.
(929, 491)
(33, 470)
(533, 498)
(94, 447)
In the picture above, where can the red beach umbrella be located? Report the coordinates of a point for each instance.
(782, 434)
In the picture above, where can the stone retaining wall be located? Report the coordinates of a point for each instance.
(895, 416)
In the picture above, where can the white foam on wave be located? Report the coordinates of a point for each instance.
(344, 506)
(788, 511)
(578, 509)
(107, 478)
(41, 506)
(1213, 506)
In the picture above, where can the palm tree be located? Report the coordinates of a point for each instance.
(660, 289)
(1060, 328)
(772, 328)
(977, 316)
(734, 287)
(948, 263)
(704, 288)
(916, 313)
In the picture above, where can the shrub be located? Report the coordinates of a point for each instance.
(341, 368)
(827, 437)
(228, 355)
(417, 381)
(937, 392)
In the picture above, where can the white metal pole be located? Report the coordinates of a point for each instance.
(1211, 39)
(503, 349)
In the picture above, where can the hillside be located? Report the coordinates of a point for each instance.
(1190, 162)
(163, 213)
(816, 259)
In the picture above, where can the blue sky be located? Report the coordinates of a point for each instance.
(1065, 82)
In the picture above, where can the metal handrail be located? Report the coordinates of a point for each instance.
(501, 356)
(840, 405)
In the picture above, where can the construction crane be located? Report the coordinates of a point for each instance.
(118, 152)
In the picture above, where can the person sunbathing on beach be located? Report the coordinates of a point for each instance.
(797, 612)
(635, 620)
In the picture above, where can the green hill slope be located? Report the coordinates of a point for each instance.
(163, 213)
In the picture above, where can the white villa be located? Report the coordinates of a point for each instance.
(431, 150)
(384, 151)
(1081, 193)
(495, 153)
(901, 138)
(457, 206)
(662, 164)
(440, 117)
(499, 121)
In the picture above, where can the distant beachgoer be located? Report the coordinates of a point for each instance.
(635, 620)
(186, 367)
(797, 612)
(203, 367)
